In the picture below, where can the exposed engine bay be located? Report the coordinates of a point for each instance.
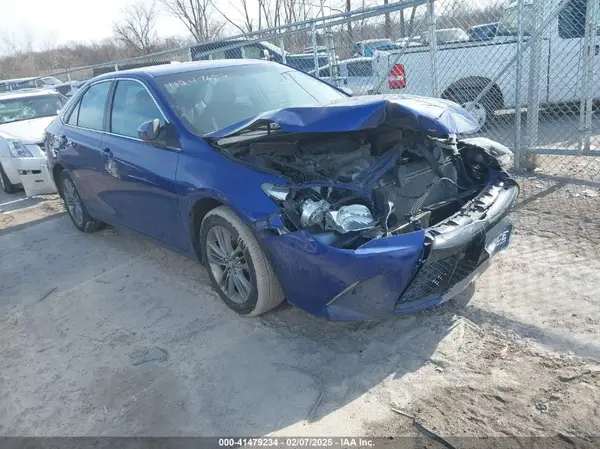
(348, 189)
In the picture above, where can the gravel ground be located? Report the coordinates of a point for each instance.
(108, 334)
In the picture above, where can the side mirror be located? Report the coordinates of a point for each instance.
(149, 131)
(347, 91)
(266, 54)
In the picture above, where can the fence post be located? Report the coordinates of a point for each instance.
(519, 71)
(331, 57)
(536, 35)
(313, 30)
(282, 48)
(394, 58)
(533, 94)
(432, 47)
(587, 78)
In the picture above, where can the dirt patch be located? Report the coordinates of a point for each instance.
(486, 384)
(117, 336)
(14, 215)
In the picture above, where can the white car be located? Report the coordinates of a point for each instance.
(24, 116)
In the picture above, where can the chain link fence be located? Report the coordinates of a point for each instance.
(537, 57)
(525, 70)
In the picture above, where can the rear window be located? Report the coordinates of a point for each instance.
(92, 105)
(360, 68)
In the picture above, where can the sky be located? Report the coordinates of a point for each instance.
(49, 23)
(61, 21)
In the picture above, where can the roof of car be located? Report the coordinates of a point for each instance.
(17, 80)
(23, 93)
(169, 69)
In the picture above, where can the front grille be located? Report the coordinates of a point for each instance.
(430, 279)
(436, 277)
(464, 268)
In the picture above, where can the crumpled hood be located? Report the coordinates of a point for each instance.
(29, 131)
(437, 117)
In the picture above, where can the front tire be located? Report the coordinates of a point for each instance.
(5, 183)
(238, 269)
(75, 207)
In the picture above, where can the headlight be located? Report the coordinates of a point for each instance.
(505, 160)
(354, 217)
(501, 153)
(18, 149)
(279, 193)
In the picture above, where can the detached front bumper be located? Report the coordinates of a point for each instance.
(34, 175)
(397, 274)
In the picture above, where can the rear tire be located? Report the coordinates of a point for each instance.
(238, 269)
(75, 207)
(5, 183)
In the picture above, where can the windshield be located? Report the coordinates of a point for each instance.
(510, 20)
(209, 100)
(27, 108)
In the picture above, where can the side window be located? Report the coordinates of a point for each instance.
(91, 106)
(571, 20)
(132, 106)
(360, 68)
(73, 115)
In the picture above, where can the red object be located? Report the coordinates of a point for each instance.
(397, 77)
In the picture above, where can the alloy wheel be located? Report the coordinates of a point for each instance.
(227, 261)
(73, 201)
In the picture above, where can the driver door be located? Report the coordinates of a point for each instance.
(143, 191)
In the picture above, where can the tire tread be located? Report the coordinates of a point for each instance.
(90, 224)
(270, 294)
(10, 187)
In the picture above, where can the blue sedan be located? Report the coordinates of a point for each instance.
(285, 187)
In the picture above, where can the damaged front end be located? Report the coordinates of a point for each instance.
(390, 217)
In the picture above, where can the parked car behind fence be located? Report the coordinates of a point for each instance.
(24, 116)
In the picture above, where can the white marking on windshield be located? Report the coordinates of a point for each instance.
(195, 80)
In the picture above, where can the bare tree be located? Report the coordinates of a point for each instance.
(247, 26)
(196, 16)
(137, 27)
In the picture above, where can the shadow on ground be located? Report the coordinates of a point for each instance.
(117, 336)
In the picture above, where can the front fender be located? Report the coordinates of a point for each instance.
(205, 174)
(339, 283)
